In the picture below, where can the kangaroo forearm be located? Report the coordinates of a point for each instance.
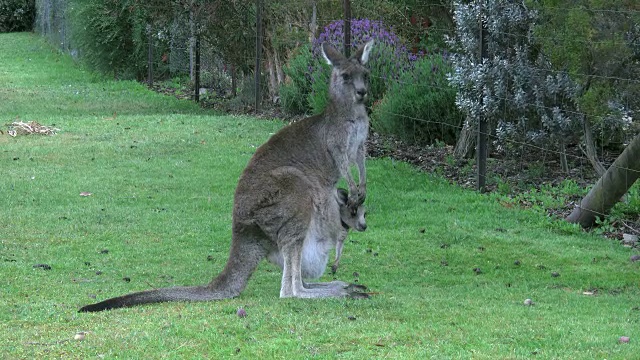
(361, 167)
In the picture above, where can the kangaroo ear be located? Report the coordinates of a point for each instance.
(342, 196)
(332, 56)
(362, 55)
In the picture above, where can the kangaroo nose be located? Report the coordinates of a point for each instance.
(362, 92)
(363, 227)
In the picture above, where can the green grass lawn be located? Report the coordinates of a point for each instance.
(162, 175)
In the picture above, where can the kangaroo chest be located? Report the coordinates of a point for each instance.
(358, 131)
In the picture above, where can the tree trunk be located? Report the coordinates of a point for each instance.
(563, 157)
(615, 182)
(234, 81)
(465, 143)
(590, 147)
(279, 71)
(273, 82)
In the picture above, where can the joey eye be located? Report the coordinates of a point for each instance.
(366, 77)
(346, 77)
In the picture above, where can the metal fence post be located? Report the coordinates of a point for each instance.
(150, 57)
(258, 51)
(481, 145)
(197, 69)
(347, 28)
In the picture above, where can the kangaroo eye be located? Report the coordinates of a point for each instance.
(346, 77)
(366, 77)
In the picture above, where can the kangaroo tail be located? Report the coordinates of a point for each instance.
(244, 257)
(182, 293)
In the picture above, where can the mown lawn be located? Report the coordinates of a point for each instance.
(449, 268)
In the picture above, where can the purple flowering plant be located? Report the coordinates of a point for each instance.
(389, 58)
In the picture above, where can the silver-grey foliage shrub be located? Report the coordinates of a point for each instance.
(515, 87)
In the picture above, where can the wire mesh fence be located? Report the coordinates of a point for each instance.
(563, 132)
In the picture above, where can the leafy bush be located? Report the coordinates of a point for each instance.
(246, 99)
(420, 107)
(294, 93)
(17, 15)
(112, 36)
(389, 58)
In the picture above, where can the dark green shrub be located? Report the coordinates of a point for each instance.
(246, 98)
(420, 107)
(17, 15)
(294, 93)
(112, 36)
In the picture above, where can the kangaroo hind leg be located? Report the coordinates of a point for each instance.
(294, 286)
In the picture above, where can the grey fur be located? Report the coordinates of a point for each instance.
(350, 218)
(285, 199)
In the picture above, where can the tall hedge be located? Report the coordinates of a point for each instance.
(420, 107)
(112, 36)
(17, 15)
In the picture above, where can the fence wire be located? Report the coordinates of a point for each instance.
(172, 54)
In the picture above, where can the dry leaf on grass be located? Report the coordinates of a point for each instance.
(27, 128)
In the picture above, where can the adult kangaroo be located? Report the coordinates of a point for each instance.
(285, 200)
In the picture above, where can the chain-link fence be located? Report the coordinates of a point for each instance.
(171, 47)
(568, 100)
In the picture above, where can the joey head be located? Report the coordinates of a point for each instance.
(285, 200)
(352, 216)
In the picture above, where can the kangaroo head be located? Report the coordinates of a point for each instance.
(349, 78)
(352, 217)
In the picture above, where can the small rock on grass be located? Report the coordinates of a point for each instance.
(241, 313)
(629, 239)
(623, 339)
(528, 302)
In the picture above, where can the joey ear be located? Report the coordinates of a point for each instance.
(362, 55)
(332, 56)
(342, 196)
